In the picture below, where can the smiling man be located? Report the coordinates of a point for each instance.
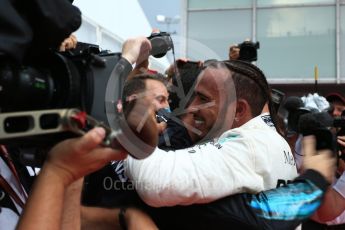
(214, 106)
(151, 87)
(241, 152)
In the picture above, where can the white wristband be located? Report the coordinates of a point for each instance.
(339, 186)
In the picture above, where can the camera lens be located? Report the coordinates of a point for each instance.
(35, 88)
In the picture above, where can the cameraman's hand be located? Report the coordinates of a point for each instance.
(136, 50)
(234, 52)
(68, 43)
(75, 158)
(321, 161)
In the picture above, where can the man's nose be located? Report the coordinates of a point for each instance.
(165, 104)
(336, 113)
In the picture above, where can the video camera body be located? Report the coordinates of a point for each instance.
(310, 121)
(36, 97)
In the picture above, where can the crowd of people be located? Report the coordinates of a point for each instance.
(221, 159)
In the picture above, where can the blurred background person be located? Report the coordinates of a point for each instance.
(337, 103)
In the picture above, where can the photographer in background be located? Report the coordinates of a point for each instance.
(337, 103)
(246, 51)
(332, 211)
(307, 115)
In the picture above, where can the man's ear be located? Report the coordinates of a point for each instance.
(240, 108)
(132, 97)
(243, 112)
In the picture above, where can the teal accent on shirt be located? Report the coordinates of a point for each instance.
(228, 138)
(293, 202)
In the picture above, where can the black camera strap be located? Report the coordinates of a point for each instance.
(8, 189)
(5, 185)
(6, 202)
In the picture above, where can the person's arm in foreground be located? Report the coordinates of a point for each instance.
(71, 206)
(67, 162)
(334, 201)
(332, 207)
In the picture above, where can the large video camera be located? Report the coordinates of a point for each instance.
(72, 79)
(34, 99)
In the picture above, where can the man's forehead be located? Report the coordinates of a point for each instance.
(337, 103)
(219, 74)
(214, 77)
(154, 85)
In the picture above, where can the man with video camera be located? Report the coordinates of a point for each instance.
(31, 29)
(28, 29)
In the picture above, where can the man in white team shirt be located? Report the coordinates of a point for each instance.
(247, 154)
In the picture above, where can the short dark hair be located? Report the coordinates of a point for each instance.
(249, 78)
(250, 84)
(246, 78)
(137, 85)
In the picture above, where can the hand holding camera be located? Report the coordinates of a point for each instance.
(319, 160)
(77, 157)
(136, 50)
(246, 51)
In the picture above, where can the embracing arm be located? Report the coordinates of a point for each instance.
(196, 175)
(282, 208)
